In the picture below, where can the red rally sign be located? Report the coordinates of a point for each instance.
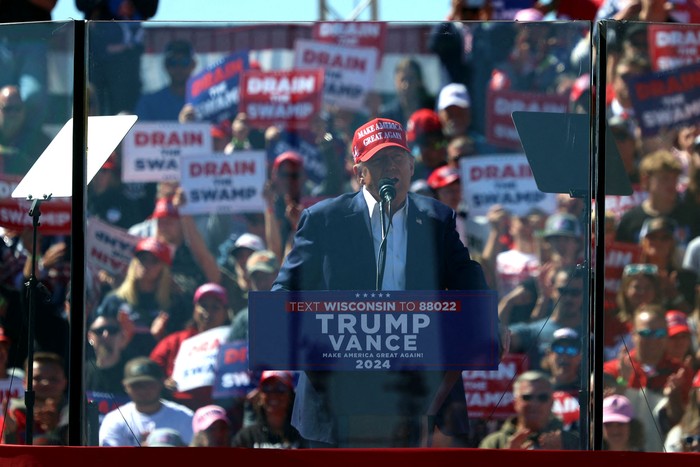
(55, 216)
(290, 98)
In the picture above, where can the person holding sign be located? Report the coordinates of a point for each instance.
(336, 247)
(210, 311)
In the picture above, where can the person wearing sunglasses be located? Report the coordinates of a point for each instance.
(534, 426)
(648, 377)
(165, 104)
(563, 361)
(104, 369)
(273, 400)
(660, 248)
(535, 337)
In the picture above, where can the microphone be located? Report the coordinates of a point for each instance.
(387, 192)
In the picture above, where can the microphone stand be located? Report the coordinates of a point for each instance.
(387, 192)
(32, 285)
(381, 263)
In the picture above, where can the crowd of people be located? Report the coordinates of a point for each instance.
(190, 275)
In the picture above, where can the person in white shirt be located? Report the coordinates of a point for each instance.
(131, 424)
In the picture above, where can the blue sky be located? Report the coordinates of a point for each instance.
(276, 10)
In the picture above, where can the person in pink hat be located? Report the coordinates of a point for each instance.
(621, 431)
(210, 311)
(211, 427)
(334, 249)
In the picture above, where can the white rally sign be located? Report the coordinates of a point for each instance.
(108, 248)
(152, 150)
(506, 180)
(349, 70)
(221, 183)
(195, 363)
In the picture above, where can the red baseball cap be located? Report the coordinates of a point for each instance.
(155, 247)
(443, 176)
(676, 322)
(288, 156)
(284, 376)
(164, 208)
(422, 122)
(211, 288)
(376, 135)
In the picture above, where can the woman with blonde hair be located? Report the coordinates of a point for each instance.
(142, 300)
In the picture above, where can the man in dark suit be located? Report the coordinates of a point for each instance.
(336, 248)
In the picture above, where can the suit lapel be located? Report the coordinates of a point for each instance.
(360, 229)
(418, 240)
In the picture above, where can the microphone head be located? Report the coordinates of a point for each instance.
(386, 188)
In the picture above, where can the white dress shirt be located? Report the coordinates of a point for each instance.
(397, 244)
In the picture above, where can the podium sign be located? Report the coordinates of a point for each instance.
(373, 331)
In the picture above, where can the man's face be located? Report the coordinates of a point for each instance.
(533, 404)
(261, 280)
(662, 184)
(170, 230)
(564, 361)
(49, 380)
(568, 295)
(455, 120)
(145, 392)
(450, 194)
(289, 180)
(391, 162)
(179, 68)
(106, 337)
(11, 111)
(649, 337)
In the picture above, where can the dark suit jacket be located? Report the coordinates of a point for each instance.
(333, 250)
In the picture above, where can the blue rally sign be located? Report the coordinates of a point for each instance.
(666, 99)
(368, 330)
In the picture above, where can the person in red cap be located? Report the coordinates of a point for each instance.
(447, 188)
(272, 401)
(142, 301)
(335, 249)
(679, 345)
(426, 141)
(210, 311)
(284, 193)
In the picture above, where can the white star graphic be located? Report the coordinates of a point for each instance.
(373, 295)
(365, 295)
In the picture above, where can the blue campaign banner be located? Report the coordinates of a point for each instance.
(214, 92)
(231, 377)
(368, 330)
(667, 99)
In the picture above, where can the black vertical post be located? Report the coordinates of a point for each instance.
(32, 286)
(76, 393)
(600, 124)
